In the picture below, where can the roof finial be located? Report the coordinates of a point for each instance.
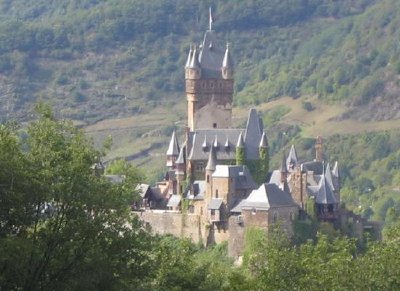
(211, 18)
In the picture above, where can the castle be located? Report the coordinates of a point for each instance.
(215, 186)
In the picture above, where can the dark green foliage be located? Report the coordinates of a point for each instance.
(240, 156)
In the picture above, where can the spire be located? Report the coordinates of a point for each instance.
(215, 143)
(336, 170)
(263, 141)
(189, 58)
(328, 176)
(291, 160)
(227, 62)
(210, 18)
(194, 62)
(204, 145)
(173, 148)
(227, 142)
(212, 160)
(180, 160)
(283, 167)
(240, 143)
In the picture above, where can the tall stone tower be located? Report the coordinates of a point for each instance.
(209, 84)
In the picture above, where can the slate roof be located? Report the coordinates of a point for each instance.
(227, 61)
(325, 193)
(173, 148)
(199, 136)
(212, 158)
(316, 166)
(268, 196)
(253, 134)
(174, 201)
(199, 189)
(240, 174)
(238, 206)
(143, 190)
(292, 157)
(211, 55)
(215, 204)
(328, 177)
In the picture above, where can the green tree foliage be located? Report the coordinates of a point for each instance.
(61, 226)
(240, 156)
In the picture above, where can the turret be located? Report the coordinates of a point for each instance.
(193, 71)
(173, 151)
(227, 66)
(291, 160)
(210, 168)
(180, 171)
(240, 151)
(264, 159)
(188, 61)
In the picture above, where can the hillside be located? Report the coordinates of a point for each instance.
(104, 59)
(310, 67)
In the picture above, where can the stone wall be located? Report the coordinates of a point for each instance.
(176, 224)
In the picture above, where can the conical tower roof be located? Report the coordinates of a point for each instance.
(283, 167)
(227, 62)
(189, 58)
(194, 62)
(263, 141)
(240, 143)
(212, 160)
(173, 148)
(292, 157)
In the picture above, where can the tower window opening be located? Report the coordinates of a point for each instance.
(214, 125)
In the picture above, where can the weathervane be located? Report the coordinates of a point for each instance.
(211, 18)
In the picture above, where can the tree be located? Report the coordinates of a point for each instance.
(61, 226)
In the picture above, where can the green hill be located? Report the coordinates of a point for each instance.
(116, 67)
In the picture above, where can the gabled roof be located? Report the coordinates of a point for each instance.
(174, 201)
(173, 148)
(240, 175)
(253, 134)
(292, 157)
(143, 190)
(215, 204)
(268, 196)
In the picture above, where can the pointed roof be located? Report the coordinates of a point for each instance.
(194, 62)
(328, 176)
(211, 55)
(227, 62)
(181, 160)
(240, 143)
(204, 144)
(189, 58)
(335, 170)
(292, 157)
(212, 160)
(263, 141)
(325, 193)
(173, 148)
(253, 135)
(215, 143)
(227, 142)
(283, 168)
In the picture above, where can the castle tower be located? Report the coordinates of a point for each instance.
(319, 149)
(283, 170)
(209, 84)
(210, 168)
(180, 171)
(173, 151)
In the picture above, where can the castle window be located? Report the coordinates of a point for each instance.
(208, 178)
(199, 167)
(275, 217)
(216, 193)
(212, 84)
(191, 209)
(220, 84)
(203, 84)
(214, 125)
(253, 211)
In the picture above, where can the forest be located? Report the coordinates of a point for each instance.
(65, 228)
